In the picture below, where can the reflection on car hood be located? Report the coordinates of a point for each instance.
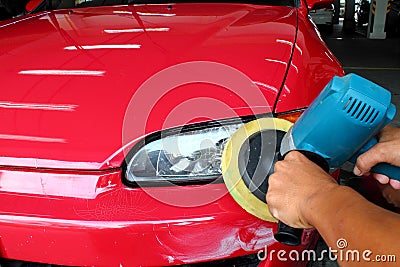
(69, 75)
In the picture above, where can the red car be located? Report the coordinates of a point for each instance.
(114, 118)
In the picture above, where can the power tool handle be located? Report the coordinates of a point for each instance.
(288, 235)
(393, 172)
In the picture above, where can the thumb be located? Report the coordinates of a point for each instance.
(369, 159)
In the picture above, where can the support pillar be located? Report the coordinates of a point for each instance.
(377, 29)
(349, 23)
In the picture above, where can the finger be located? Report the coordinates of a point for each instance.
(270, 196)
(279, 166)
(383, 179)
(368, 159)
(357, 171)
(282, 171)
(294, 156)
(274, 212)
(275, 181)
(395, 184)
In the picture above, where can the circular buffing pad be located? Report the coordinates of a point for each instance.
(247, 162)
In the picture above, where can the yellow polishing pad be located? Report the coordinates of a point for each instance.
(230, 165)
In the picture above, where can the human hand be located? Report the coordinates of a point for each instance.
(296, 181)
(391, 195)
(386, 150)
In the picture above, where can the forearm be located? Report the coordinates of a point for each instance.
(341, 213)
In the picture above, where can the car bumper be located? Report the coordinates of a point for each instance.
(92, 219)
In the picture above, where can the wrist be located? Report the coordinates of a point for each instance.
(321, 202)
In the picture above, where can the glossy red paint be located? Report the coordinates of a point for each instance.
(68, 98)
(117, 226)
(313, 65)
(71, 76)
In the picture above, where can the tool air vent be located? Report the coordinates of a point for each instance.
(360, 110)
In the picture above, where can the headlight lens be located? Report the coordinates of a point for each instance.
(189, 156)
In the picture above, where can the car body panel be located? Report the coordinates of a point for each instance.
(103, 223)
(309, 72)
(81, 62)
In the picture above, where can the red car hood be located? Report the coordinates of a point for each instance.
(69, 76)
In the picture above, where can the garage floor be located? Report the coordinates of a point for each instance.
(376, 60)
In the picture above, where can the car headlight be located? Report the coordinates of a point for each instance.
(188, 155)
